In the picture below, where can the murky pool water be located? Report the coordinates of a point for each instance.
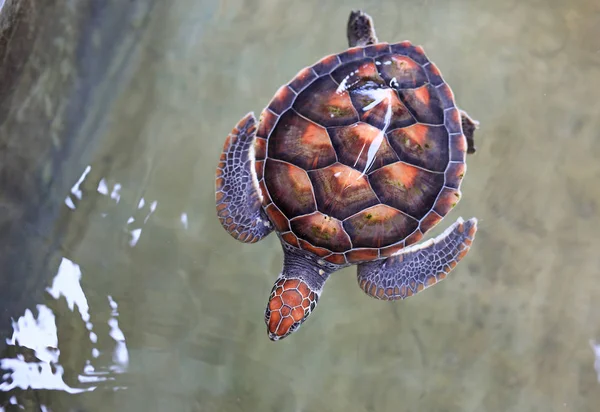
(121, 291)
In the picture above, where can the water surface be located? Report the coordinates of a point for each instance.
(112, 251)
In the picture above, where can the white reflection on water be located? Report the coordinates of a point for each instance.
(136, 232)
(40, 336)
(596, 348)
(120, 354)
(67, 284)
(75, 190)
(102, 187)
(115, 194)
(36, 331)
(13, 401)
(184, 220)
(135, 236)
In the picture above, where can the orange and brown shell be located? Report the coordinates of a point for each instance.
(360, 154)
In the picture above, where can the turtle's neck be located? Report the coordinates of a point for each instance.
(307, 267)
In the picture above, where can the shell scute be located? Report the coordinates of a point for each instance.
(262, 187)
(377, 49)
(358, 74)
(458, 147)
(433, 74)
(446, 96)
(267, 122)
(452, 120)
(455, 173)
(301, 142)
(417, 54)
(349, 142)
(446, 201)
(424, 104)
(304, 77)
(290, 238)
(361, 255)
(322, 103)
(260, 148)
(429, 221)
(402, 48)
(327, 64)
(351, 54)
(289, 187)
(281, 222)
(382, 108)
(319, 251)
(379, 226)
(401, 72)
(342, 191)
(323, 231)
(283, 100)
(415, 237)
(336, 259)
(390, 250)
(259, 167)
(407, 188)
(422, 145)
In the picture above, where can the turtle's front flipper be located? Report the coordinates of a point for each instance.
(360, 30)
(417, 267)
(238, 203)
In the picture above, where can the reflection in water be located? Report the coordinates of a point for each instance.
(134, 228)
(39, 336)
(35, 339)
(377, 95)
(114, 194)
(134, 231)
(75, 190)
(184, 220)
(596, 348)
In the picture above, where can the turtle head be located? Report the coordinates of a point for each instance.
(291, 301)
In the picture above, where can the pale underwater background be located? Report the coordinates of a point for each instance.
(126, 294)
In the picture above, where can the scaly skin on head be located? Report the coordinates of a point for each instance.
(295, 293)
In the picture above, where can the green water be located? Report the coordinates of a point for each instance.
(144, 94)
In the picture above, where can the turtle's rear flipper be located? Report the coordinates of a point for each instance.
(469, 126)
(238, 203)
(418, 267)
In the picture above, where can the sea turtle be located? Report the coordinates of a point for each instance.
(351, 163)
